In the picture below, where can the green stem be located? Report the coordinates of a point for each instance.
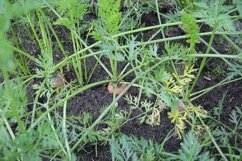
(202, 65)
(115, 70)
(12, 103)
(54, 33)
(232, 43)
(216, 56)
(10, 131)
(38, 93)
(74, 93)
(204, 91)
(213, 140)
(25, 54)
(225, 60)
(77, 63)
(54, 129)
(64, 129)
(64, 61)
(103, 114)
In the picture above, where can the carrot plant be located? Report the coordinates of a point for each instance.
(162, 69)
(110, 16)
(16, 143)
(70, 14)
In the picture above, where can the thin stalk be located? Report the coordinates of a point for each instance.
(213, 140)
(115, 70)
(10, 131)
(85, 45)
(74, 93)
(202, 65)
(162, 60)
(12, 103)
(76, 46)
(54, 33)
(216, 56)
(76, 62)
(93, 70)
(225, 60)
(64, 61)
(103, 114)
(174, 38)
(232, 43)
(53, 128)
(84, 60)
(64, 129)
(27, 55)
(34, 31)
(162, 32)
(36, 100)
(204, 91)
(124, 69)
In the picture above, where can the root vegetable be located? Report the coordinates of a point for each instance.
(118, 90)
(58, 81)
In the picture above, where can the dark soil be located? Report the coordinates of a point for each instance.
(92, 100)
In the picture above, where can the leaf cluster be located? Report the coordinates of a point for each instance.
(108, 12)
(71, 12)
(180, 118)
(217, 14)
(191, 28)
(130, 148)
(8, 11)
(27, 145)
(150, 110)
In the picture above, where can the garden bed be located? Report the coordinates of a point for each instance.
(177, 64)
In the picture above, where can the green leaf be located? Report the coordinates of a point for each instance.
(216, 11)
(225, 23)
(115, 56)
(191, 149)
(7, 12)
(190, 27)
(73, 9)
(108, 11)
(65, 22)
(6, 61)
(239, 6)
